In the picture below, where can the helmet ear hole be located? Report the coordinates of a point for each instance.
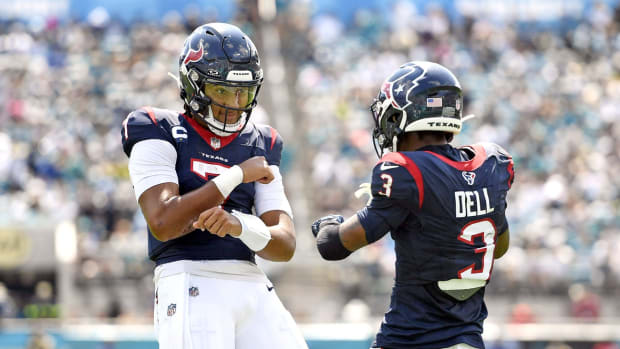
(392, 118)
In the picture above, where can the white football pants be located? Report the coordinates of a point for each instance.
(220, 310)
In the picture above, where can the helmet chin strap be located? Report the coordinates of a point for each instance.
(395, 143)
(399, 131)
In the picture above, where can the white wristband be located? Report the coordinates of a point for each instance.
(228, 180)
(254, 232)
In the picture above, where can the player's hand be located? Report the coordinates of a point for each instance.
(331, 219)
(256, 169)
(218, 222)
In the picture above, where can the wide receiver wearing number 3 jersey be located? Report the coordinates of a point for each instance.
(444, 206)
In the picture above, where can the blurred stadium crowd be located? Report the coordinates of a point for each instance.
(549, 95)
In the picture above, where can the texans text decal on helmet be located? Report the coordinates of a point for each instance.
(219, 60)
(418, 96)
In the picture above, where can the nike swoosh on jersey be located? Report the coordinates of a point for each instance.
(387, 167)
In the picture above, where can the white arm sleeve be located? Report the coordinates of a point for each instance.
(271, 196)
(152, 162)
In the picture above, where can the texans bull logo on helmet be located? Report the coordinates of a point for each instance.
(401, 83)
(194, 55)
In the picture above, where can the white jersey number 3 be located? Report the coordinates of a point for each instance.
(387, 185)
(484, 229)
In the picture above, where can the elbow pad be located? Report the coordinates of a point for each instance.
(329, 244)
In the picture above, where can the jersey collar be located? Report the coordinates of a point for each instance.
(214, 141)
(450, 155)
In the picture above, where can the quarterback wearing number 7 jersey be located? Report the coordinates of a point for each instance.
(444, 207)
(208, 183)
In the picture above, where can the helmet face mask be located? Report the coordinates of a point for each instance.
(224, 108)
(418, 96)
(388, 121)
(219, 59)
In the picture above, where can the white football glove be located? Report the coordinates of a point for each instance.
(364, 189)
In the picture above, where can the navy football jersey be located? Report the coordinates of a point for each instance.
(201, 156)
(444, 208)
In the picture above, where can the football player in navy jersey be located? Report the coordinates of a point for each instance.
(444, 207)
(208, 184)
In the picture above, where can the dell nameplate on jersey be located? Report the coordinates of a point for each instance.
(468, 203)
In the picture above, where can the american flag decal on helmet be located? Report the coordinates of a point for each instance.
(434, 102)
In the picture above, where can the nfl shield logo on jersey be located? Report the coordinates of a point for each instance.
(469, 177)
(215, 143)
(172, 308)
(193, 291)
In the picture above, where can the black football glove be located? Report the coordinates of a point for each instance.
(330, 219)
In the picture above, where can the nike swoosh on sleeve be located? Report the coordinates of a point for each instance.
(387, 167)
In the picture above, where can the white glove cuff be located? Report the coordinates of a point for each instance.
(228, 180)
(254, 232)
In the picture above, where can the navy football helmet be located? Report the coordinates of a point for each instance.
(418, 96)
(219, 60)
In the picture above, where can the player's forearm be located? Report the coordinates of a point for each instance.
(337, 238)
(281, 247)
(175, 215)
(352, 234)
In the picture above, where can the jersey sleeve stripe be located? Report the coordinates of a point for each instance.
(511, 171)
(412, 168)
(274, 135)
(151, 113)
(470, 165)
